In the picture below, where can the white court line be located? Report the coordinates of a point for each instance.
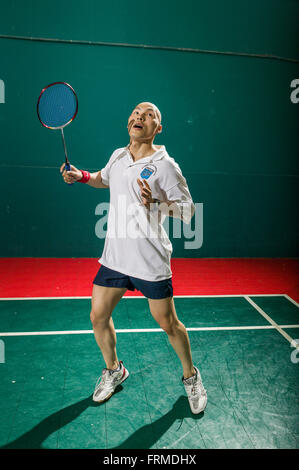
(291, 300)
(144, 330)
(278, 328)
(142, 297)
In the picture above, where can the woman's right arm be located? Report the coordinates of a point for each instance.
(74, 175)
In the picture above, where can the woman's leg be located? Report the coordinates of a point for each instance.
(104, 300)
(163, 311)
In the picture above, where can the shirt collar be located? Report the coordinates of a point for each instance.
(151, 158)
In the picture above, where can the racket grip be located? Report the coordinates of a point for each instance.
(67, 167)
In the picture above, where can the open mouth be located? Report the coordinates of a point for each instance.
(138, 126)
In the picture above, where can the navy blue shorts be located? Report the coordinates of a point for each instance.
(150, 289)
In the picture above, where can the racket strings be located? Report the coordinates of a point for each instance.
(57, 106)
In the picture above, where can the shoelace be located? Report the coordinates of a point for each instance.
(196, 388)
(104, 378)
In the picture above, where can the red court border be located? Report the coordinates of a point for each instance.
(55, 277)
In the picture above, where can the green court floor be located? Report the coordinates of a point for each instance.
(50, 363)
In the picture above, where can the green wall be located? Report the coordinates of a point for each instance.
(227, 120)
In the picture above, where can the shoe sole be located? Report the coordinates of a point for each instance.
(110, 395)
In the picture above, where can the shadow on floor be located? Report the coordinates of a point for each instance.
(143, 438)
(146, 436)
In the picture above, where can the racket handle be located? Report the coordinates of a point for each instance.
(67, 167)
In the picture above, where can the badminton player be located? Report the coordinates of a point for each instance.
(146, 184)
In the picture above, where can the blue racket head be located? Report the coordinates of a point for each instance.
(57, 105)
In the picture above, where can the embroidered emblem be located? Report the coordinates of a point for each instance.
(148, 171)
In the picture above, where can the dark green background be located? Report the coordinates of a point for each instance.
(227, 120)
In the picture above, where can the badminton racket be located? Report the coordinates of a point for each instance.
(57, 106)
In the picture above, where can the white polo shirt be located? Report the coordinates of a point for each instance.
(136, 243)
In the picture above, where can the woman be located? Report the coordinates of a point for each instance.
(146, 184)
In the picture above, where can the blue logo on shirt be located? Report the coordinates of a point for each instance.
(146, 173)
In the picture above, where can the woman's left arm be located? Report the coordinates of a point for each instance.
(177, 202)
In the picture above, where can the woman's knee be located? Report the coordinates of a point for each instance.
(100, 316)
(170, 325)
(104, 300)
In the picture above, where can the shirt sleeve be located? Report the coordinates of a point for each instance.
(105, 172)
(178, 201)
(171, 176)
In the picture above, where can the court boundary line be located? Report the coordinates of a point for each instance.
(279, 328)
(144, 330)
(270, 320)
(291, 300)
(286, 296)
(142, 297)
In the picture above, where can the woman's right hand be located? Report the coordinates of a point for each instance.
(71, 176)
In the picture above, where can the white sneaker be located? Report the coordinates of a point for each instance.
(107, 383)
(196, 392)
